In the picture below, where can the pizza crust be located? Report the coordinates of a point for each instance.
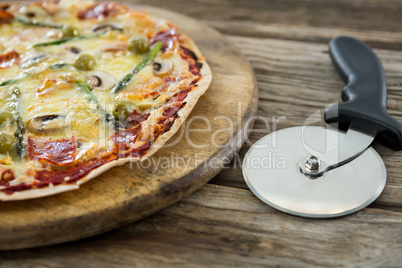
(190, 100)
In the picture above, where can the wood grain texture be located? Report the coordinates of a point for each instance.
(223, 224)
(226, 226)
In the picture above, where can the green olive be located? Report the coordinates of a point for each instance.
(5, 116)
(6, 142)
(85, 62)
(70, 31)
(122, 109)
(138, 44)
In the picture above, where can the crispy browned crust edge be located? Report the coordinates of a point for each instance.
(191, 100)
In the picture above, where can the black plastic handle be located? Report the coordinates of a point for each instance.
(365, 95)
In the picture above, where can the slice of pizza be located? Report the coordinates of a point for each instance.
(86, 86)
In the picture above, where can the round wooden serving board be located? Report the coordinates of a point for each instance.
(131, 192)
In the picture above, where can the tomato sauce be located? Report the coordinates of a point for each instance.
(5, 17)
(8, 59)
(17, 188)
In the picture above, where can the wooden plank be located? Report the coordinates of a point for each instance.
(363, 15)
(230, 227)
(374, 21)
(301, 32)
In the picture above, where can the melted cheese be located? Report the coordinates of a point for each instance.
(47, 92)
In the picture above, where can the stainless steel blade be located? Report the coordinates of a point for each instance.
(271, 170)
(353, 144)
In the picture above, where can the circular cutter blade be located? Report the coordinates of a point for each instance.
(271, 171)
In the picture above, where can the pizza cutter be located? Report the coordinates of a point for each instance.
(320, 172)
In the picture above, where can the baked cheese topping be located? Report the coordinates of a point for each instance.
(82, 82)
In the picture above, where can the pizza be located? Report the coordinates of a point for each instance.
(86, 86)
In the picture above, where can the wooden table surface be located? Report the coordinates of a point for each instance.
(223, 223)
